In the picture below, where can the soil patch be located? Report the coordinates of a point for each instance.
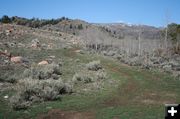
(59, 114)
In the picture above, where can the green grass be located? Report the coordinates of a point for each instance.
(141, 94)
(131, 112)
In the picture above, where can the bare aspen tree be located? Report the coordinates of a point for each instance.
(102, 44)
(87, 42)
(127, 47)
(132, 46)
(139, 42)
(165, 40)
(178, 40)
(96, 43)
(167, 17)
(123, 45)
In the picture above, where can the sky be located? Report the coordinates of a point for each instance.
(150, 12)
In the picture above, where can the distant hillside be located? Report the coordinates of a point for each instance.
(122, 30)
(89, 32)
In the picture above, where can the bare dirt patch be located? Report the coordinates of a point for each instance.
(59, 114)
(119, 71)
(155, 98)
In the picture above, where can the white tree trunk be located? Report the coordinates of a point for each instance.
(139, 44)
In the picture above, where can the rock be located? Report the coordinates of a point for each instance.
(77, 51)
(7, 32)
(44, 62)
(6, 97)
(52, 56)
(17, 59)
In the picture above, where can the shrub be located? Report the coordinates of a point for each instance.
(109, 53)
(101, 74)
(94, 65)
(82, 78)
(11, 79)
(44, 72)
(5, 19)
(80, 26)
(70, 26)
(31, 90)
(11, 72)
(18, 103)
(87, 76)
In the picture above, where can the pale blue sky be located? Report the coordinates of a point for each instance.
(150, 12)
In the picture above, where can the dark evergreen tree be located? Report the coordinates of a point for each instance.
(5, 19)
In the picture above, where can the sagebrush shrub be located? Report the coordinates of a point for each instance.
(44, 72)
(94, 65)
(33, 90)
(82, 78)
(101, 74)
(18, 102)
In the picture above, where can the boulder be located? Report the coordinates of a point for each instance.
(44, 62)
(18, 59)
